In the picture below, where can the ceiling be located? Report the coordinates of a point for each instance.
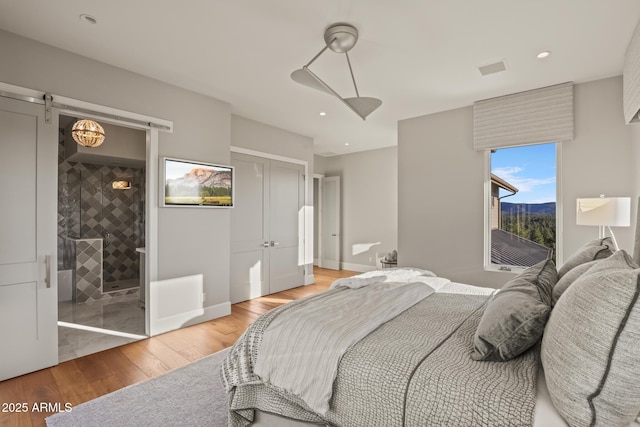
(418, 56)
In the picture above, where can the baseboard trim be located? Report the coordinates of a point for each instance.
(309, 279)
(192, 318)
(211, 312)
(360, 268)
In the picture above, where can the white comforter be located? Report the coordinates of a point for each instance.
(301, 353)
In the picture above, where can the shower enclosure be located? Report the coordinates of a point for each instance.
(95, 204)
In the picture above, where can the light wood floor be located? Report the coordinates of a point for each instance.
(88, 377)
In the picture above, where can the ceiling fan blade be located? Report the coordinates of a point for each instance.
(305, 77)
(363, 106)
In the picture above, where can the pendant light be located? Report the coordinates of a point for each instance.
(87, 133)
(339, 38)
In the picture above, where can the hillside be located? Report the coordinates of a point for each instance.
(530, 208)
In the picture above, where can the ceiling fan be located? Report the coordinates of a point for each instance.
(340, 38)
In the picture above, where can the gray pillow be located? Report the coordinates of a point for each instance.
(590, 351)
(568, 278)
(515, 318)
(590, 251)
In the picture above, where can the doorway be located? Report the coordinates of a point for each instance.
(28, 250)
(101, 240)
(327, 221)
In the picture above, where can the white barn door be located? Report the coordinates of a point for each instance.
(28, 278)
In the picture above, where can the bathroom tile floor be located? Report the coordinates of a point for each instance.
(120, 314)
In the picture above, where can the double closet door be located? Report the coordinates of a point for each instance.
(267, 225)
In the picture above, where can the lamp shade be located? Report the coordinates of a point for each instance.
(610, 211)
(87, 133)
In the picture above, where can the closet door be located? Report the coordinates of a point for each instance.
(267, 223)
(250, 228)
(286, 226)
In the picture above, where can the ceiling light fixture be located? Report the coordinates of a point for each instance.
(322, 113)
(543, 54)
(340, 38)
(88, 19)
(87, 133)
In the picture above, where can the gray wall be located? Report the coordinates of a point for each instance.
(635, 147)
(440, 182)
(253, 135)
(202, 128)
(598, 161)
(369, 203)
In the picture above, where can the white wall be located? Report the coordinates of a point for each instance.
(440, 182)
(263, 138)
(369, 204)
(190, 240)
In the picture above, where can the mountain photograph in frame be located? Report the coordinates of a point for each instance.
(197, 184)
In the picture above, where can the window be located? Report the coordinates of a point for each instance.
(521, 206)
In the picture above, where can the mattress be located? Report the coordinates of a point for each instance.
(546, 414)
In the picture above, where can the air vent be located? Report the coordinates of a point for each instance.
(493, 68)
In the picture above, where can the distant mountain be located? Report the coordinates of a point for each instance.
(531, 208)
(203, 178)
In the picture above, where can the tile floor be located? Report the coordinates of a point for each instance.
(120, 314)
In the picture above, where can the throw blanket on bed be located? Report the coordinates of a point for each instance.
(414, 369)
(396, 275)
(302, 347)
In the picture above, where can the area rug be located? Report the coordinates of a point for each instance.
(192, 395)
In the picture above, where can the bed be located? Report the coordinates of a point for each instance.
(403, 347)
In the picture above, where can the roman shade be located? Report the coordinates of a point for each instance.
(631, 79)
(532, 117)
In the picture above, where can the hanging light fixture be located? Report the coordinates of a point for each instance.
(121, 184)
(340, 38)
(87, 133)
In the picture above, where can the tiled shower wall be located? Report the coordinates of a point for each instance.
(88, 207)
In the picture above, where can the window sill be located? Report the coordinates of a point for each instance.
(504, 268)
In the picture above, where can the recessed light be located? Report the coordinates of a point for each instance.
(88, 19)
(322, 113)
(346, 143)
(543, 54)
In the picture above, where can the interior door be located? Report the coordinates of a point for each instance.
(28, 282)
(266, 225)
(286, 197)
(250, 228)
(330, 257)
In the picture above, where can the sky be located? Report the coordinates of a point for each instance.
(177, 169)
(531, 169)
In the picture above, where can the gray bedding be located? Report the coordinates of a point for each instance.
(413, 370)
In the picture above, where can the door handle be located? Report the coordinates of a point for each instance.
(274, 243)
(334, 235)
(265, 244)
(47, 270)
